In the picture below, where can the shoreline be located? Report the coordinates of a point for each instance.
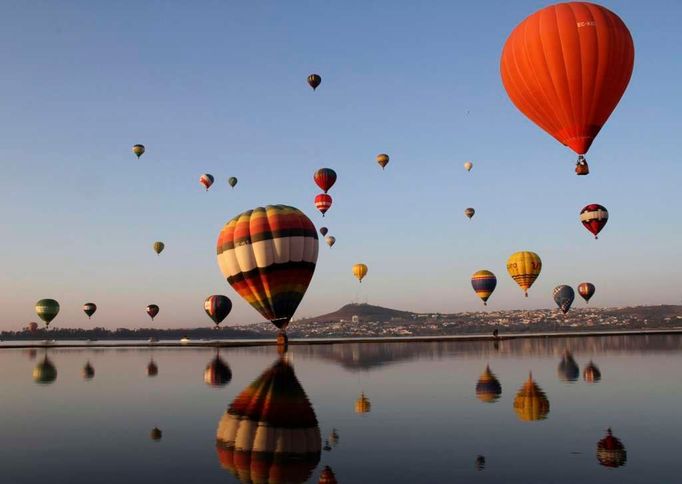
(331, 341)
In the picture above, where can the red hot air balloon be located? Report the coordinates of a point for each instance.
(566, 67)
(586, 291)
(325, 178)
(323, 202)
(594, 217)
(206, 180)
(152, 310)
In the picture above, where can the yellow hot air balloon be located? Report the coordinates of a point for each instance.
(382, 159)
(468, 166)
(524, 268)
(359, 271)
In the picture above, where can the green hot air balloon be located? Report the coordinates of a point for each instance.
(158, 247)
(232, 181)
(47, 310)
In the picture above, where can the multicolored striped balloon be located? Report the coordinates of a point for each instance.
(524, 268)
(206, 180)
(488, 388)
(268, 256)
(89, 309)
(217, 307)
(484, 283)
(325, 178)
(323, 202)
(47, 310)
(594, 218)
(586, 290)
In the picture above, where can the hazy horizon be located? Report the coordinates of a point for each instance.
(221, 88)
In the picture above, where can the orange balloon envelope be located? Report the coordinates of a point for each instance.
(566, 67)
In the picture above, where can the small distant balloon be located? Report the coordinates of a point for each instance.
(152, 310)
(484, 283)
(323, 202)
(158, 247)
(314, 80)
(359, 271)
(323, 231)
(89, 309)
(468, 166)
(586, 290)
(382, 159)
(206, 180)
(594, 218)
(524, 267)
(155, 434)
(469, 212)
(138, 150)
(217, 307)
(325, 178)
(330, 240)
(563, 297)
(232, 181)
(47, 310)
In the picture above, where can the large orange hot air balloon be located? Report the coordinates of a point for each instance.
(566, 67)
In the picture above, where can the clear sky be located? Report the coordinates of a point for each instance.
(220, 87)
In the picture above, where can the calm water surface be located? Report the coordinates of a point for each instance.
(430, 413)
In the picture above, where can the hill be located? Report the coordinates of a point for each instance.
(366, 312)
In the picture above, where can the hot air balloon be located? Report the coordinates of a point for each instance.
(325, 178)
(566, 67)
(217, 307)
(44, 372)
(323, 202)
(484, 283)
(323, 231)
(89, 309)
(152, 310)
(611, 451)
(314, 80)
(32, 327)
(158, 247)
(563, 297)
(468, 166)
(586, 290)
(152, 369)
(488, 388)
(382, 159)
(327, 476)
(359, 271)
(155, 434)
(568, 369)
(268, 256)
(88, 371)
(47, 310)
(594, 217)
(232, 181)
(591, 373)
(524, 268)
(270, 432)
(138, 150)
(469, 212)
(331, 240)
(362, 404)
(531, 402)
(206, 180)
(217, 373)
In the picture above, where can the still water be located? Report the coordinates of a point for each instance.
(373, 413)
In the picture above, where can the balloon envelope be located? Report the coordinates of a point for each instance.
(469, 212)
(359, 271)
(468, 166)
(484, 283)
(44, 372)
(138, 150)
(382, 159)
(158, 247)
(488, 388)
(217, 373)
(566, 67)
(586, 290)
(325, 178)
(152, 310)
(594, 218)
(47, 310)
(330, 239)
(217, 307)
(206, 180)
(524, 268)
(323, 202)
(563, 297)
(268, 256)
(314, 80)
(232, 181)
(611, 451)
(323, 231)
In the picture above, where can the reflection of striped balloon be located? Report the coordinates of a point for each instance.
(206, 180)
(484, 283)
(323, 202)
(270, 432)
(594, 217)
(524, 268)
(268, 256)
(488, 388)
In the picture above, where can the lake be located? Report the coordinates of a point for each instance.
(428, 412)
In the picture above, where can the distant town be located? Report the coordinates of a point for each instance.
(365, 320)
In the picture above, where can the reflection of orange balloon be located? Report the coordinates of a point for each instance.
(531, 402)
(566, 67)
(362, 404)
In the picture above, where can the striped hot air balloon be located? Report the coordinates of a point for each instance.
(484, 283)
(268, 256)
(594, 218)
(359, 271)
(325, 178)
(206, 180)
(330, 240)
(138, 150)
(217, 307)
(382, 159)
(314, 80)
(524, 268)
(47, 310)
(89, 309)
(158, 247)
(270, 431)
(323, 202)
(563, 297)
(586, 290)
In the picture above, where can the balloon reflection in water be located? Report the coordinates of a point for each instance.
(155, 434)
(362, 404)
(88, 371)
(480, 463)
(45, 372)
(217, 373)
(334, 438)
(568, 369)
(531, 402)
(270, 432)
(152, 369)
(327, 476)
(488, 388)
(591, 374)
(611, 451)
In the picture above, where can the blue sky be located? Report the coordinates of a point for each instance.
(220, 87)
